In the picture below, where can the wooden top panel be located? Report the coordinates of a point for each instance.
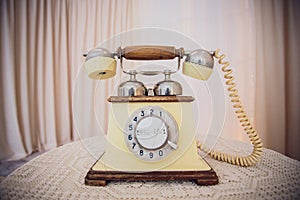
(151, 99)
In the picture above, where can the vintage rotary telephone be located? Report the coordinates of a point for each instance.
(149, 134)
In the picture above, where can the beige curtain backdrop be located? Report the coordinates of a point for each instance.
(277, 102)
(41, 49)
(41, 52)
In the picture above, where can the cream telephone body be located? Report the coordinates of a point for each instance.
(150, 136)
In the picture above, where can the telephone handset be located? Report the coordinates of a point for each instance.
(147, 136)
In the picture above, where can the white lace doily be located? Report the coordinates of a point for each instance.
(59, 174)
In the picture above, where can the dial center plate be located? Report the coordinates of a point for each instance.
(151, 132)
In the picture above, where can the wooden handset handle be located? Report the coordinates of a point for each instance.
(150, 52)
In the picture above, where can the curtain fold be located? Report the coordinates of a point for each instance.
(41, 47)
(270, 105)
(292, 76)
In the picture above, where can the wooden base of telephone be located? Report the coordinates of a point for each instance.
(119, 164)
(102, 177)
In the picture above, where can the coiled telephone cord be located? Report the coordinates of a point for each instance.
(244, 121)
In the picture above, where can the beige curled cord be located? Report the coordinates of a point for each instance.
(244, 121)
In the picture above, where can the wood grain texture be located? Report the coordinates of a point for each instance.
(118, 99)
(100, 178)
(149, 52)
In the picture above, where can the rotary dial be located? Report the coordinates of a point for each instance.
(151, 133)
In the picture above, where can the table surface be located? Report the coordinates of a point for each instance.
(59, 174)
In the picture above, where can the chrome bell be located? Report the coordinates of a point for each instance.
(132, 87)
(167, 87)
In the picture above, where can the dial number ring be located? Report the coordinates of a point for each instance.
(151, 133)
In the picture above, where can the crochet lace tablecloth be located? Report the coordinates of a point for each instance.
(59, 174)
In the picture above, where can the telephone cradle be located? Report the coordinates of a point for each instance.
(152, 137)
